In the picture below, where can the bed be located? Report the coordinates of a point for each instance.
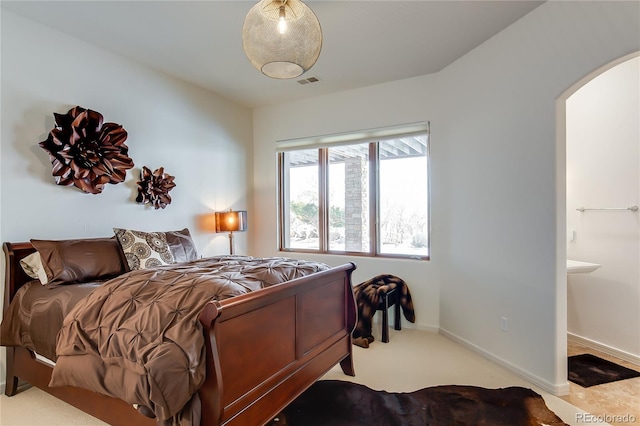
(260, 349)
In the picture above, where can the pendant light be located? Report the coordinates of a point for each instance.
(281, 38)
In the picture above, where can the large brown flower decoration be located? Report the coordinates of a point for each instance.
(154, 187)
(86, 152)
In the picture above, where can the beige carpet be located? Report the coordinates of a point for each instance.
(411, 360)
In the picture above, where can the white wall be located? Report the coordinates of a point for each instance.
(495, 178)
(200, 138)
(603, 170)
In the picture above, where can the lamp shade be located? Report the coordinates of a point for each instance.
(282, 38)
(231, 221)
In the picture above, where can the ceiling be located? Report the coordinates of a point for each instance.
(365, 42)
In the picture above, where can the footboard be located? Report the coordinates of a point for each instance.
(265, 348)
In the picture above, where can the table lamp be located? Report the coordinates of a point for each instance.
(231, 221)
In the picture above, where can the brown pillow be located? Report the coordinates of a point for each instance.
(181, 245)
(72, 261)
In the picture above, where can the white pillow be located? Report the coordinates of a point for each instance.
(32, 266)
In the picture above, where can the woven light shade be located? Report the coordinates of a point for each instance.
(282, 38)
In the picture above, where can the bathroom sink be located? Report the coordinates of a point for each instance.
(577, 267)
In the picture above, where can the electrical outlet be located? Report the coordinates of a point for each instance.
(504, 324)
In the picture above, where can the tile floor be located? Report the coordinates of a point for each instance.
(618, 403)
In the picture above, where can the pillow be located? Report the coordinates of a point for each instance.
(181, 245)
(32, 266)
(144, 250)
(73, 261)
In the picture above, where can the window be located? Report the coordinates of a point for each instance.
(357, 195)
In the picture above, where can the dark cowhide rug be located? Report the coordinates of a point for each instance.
(339, 403)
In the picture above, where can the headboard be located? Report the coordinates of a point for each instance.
(14, 275)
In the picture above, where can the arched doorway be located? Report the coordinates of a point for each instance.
(599, 309)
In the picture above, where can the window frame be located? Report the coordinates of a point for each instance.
(321, 144)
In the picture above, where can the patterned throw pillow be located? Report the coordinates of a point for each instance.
(144, 250)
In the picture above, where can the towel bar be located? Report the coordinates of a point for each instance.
(630, 208)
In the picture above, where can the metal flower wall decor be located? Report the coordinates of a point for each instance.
(87, 152)
(153, 188)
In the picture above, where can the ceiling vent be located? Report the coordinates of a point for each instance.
(308, 80)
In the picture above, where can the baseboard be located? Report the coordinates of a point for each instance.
(552, 388)
(422, 327)
(377, 320)
(609, 350)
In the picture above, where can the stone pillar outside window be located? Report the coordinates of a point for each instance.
(356, 203)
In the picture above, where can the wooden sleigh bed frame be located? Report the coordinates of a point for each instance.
(301, 327)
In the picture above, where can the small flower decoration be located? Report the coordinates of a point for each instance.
(86, 152)
(154, 187)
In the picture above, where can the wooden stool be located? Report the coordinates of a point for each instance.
(386, 301)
